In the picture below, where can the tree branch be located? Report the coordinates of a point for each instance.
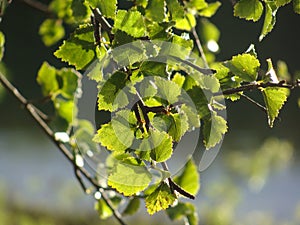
(254, 86)
(63, 149)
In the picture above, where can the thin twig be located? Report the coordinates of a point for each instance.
(254, 86)
(79, 178)
(63, 149)
(254, 102)
(199, 46)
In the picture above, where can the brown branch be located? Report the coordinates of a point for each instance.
(63, 149)
(255, 86)
(199, 46)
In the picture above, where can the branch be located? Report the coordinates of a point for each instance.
(199, 46)
(63, 149)
(254, 86)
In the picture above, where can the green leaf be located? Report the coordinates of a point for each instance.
(248, 9)
(79, 49)
(181, 210)
(196, 4)
(159, 31)
(2, 41)
(167, 90)
(131, 22)
(192, 115)
(160, 199)
(270, 19)
(186, 23)
(280, 3)
(51, 31)
(69, 82)
(107, 8)
(200, 100)
(189, 179)
(117, 135)
(103, 209)
(47, 79)
(112, 95)
(244, 66)
(80, 11)
(64, 108)
(214, 128)
(175, 125)
(208, 31)
(155, 10)
(132, 207)
(150, 68)
(62, 9)
(129, 176)
(175, 9)
(211, 9)
(159, 144)
(296, 5)
(274, 99)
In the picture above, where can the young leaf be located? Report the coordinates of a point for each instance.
(129, 176)
(79, 49)
(211, 9)
(186, 23)
(167, 90)
(155, 10)
(51, 31)
(159, 144)
(80, 11)
(182, 210)
(103, 210)
(116, 135)
(189, 179)
(161, 198)
(214, 128)
(132, 206)
(244, 66)
(192, 115)
(196, 4)
(111, 96)
(69, 82)
(131, 22)
(248, 9)
(47, 79)
(107, 8)
(280, 3)
(175, 9)
(200, 100)
(64, 108)
(270, 19)
(296, 5)
(274, 99)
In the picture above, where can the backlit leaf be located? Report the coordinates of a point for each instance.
(129, 176)
(270, 19)
(79, 49)
(131, 22)
(248, 9)
(244, 66)
(103, 209)
(296, 5)
(159, 199)
(211, 9)
(155, 10)
(132, 206)
(214, 128)
(47, 79)
(183, 210)
(175, 9)
(274, 99)
(51, 31)
(189, 179)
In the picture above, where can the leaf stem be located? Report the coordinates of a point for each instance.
(63, 149)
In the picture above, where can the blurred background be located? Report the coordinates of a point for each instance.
(254, 180)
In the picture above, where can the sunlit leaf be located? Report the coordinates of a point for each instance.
(103, 209)
(131, 22)
(2, 41)
(51, 31)
(270, 19)
(214, 128)
(129, 176)
(79, 49)
(64, 108)
(79, 10)
(186, 23)
(159, 199)
(47, 79)
(296, 5)
(244, 66)
(211, 9)
(116, 135)
(69, 81)
(156, 10)
(189, 179)
(175, 9)
(274, 99)
(248, 9)
(107, 8)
